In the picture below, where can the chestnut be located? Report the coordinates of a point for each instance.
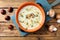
(3, 12)
(7, 18)
(11, 27)
(10, 9)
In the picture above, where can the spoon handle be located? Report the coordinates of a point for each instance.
(55, 3)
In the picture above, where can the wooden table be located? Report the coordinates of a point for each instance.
(42, 34)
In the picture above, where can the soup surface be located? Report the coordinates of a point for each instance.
(30, 17)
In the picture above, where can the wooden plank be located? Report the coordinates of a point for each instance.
(17, 3)
(57, 6)
(9, 33)
(18, 38)
(6, 27)
(58, 32)
(44, 34)
(29, 38)
(57, 11)
(49, 38)
(14, 3)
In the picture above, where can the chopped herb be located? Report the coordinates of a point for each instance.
(23, 12)
(36, 15)
(37, 21)
(31, 25)
(26, 23)
(22, 21)
(37, 12)
(27, 9)
(21, 15)
(32, 15)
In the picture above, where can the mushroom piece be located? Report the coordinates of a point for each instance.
(32, 15)
(52, 28)
(58, 20)
(28, 16)
(51, 13)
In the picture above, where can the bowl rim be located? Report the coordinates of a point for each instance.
(30, 3)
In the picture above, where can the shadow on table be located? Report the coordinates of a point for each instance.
(44, 31)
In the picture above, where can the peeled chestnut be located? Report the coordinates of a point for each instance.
(3, 12)
(7, 18)
(10, 9)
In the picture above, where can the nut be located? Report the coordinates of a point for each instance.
(3, 12)
(7, 18)
(10, 9)
(11, 27)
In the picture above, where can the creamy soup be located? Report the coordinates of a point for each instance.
(30, 17)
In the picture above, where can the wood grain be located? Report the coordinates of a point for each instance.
(18, 38)
(29, 38)
(42, 34)
(17, 3)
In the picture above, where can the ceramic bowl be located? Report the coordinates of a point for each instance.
(40, 8)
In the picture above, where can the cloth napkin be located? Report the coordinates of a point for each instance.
(22, 33)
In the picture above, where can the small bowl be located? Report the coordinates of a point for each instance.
(43, 15)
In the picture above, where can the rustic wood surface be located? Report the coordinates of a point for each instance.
(42, 34)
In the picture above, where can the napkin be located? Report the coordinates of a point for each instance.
(47, 6)
(22, 33)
